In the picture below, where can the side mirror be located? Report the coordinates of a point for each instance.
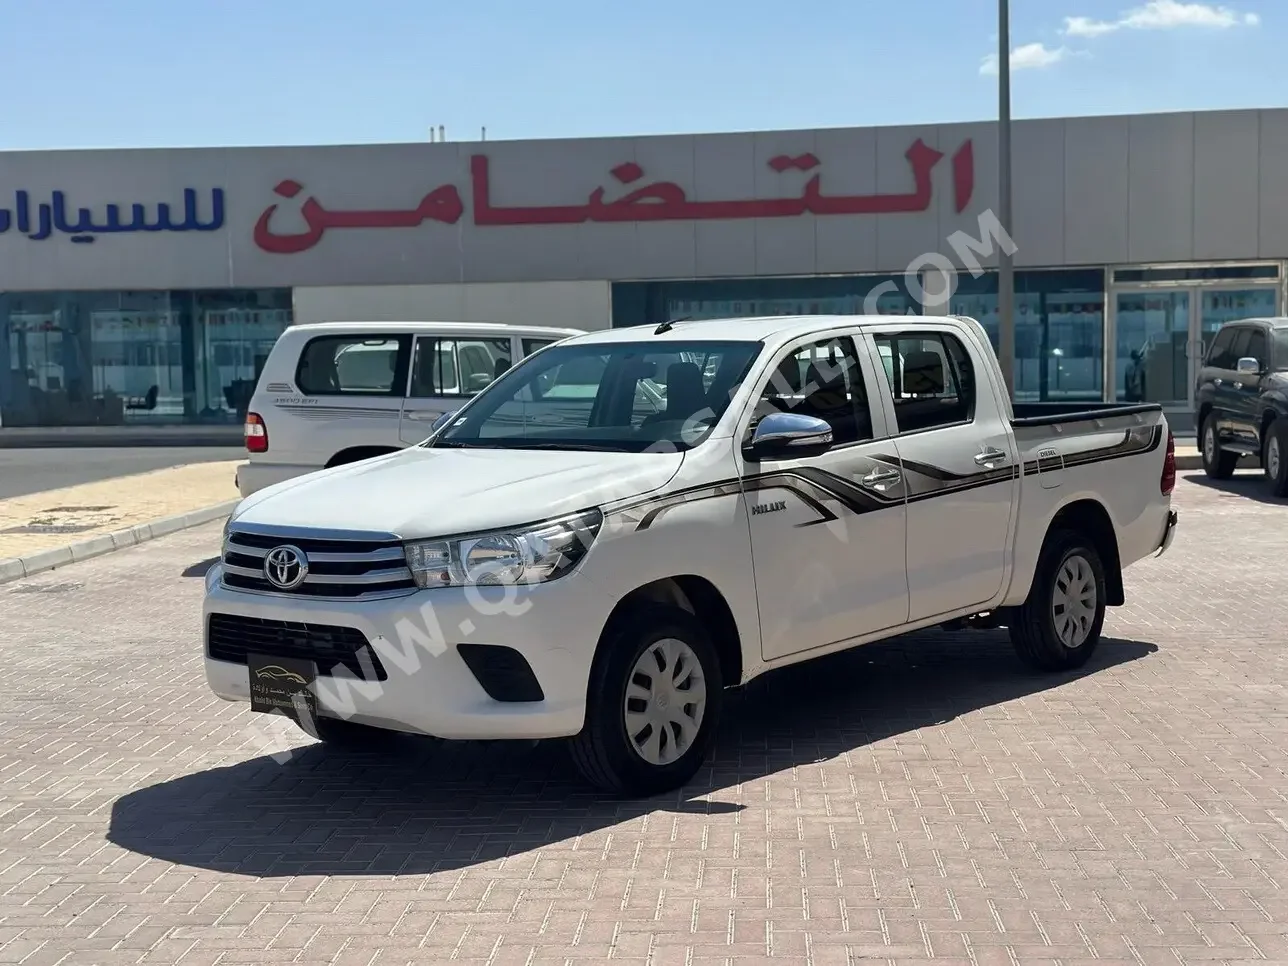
(1248, 366)
(788, 436)
(442, 421)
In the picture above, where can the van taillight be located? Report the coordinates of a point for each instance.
(256, 434)
(1168, 481)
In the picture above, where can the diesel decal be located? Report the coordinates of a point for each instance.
(758, 508)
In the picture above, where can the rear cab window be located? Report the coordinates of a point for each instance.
(353, 365)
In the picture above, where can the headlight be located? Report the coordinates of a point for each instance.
(530, 555)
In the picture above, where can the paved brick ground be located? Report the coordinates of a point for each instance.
(921, 800)
(55, 518)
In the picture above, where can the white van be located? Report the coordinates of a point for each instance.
(339, 392)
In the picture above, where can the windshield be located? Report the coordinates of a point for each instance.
(1281, 350)
(626, 396)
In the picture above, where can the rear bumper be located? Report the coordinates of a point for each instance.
(1169, 534)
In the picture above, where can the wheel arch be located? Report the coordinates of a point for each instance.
(1088, 516)
(699, 597)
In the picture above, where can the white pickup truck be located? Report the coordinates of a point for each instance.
(593, 566)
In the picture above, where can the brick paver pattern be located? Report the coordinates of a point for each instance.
(921, 800)
(56, 518)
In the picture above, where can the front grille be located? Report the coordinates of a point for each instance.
(231, 638)
(338, 568)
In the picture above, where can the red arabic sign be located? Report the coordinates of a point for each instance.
(658, 201)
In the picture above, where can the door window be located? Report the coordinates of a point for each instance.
(1256, 347)
(1221, 356)
(823, 380)
(931, 379)
(335, 365)
(532, 345)
(457, 367)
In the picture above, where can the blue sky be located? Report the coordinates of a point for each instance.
(93, 73)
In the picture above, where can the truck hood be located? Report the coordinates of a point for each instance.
(418, 493)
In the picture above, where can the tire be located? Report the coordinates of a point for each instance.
(1036, 631)
(1274, 456)
(605, 752)
(1218, 464)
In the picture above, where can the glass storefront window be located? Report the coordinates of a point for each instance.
(1059, 330)
(108, 358)
(1059, 315)
(648, 303)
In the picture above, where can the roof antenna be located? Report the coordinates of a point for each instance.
(670, 324)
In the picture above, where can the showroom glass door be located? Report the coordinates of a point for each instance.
(1164, 318)
(1154, 343)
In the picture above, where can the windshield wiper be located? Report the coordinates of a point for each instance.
(579, 447)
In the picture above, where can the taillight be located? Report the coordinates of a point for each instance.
(256, 434)
(1167, 483)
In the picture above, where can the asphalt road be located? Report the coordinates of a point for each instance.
(921, 800)
(24, 471)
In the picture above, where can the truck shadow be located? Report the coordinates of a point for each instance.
(1249, 484)
(422, 807)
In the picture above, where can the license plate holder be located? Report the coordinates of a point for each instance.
(282, 685)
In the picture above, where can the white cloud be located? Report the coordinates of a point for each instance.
(1162, 15)
(1026, 57)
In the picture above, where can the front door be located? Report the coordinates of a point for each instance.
(958, 459)
(828, 531)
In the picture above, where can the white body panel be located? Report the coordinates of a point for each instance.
(877, 536)
(307, 431)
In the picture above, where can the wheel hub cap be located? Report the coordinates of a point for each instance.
(1209, 445)
(1272, 458)
(666, 697)
(1073, 604)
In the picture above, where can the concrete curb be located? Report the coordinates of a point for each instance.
(19, 567)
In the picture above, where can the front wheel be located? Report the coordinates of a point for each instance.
(1058, 626)
(1274, 456)
(1218, 464)
(652, 706)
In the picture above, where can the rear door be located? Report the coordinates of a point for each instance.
(1245, 390)
(351, 388)
(446, 371)
(957, 454)
(1214, 376)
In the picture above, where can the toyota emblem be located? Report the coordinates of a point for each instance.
(286, 567)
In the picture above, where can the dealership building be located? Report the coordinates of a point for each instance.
(146, 287)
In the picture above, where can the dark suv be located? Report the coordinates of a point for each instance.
(1243, 400)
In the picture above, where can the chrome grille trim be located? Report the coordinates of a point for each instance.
(342, 564)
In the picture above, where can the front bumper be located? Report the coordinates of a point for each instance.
(1169, 534)
(429, 687)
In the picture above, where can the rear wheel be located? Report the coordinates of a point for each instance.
(1274, 456)
(1218, 464)
(1058, 627)
(652, 706)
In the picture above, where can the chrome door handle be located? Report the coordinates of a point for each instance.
(879, 478)
(423, 417)
(988, 455)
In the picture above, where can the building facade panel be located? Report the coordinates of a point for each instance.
(145, 285)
